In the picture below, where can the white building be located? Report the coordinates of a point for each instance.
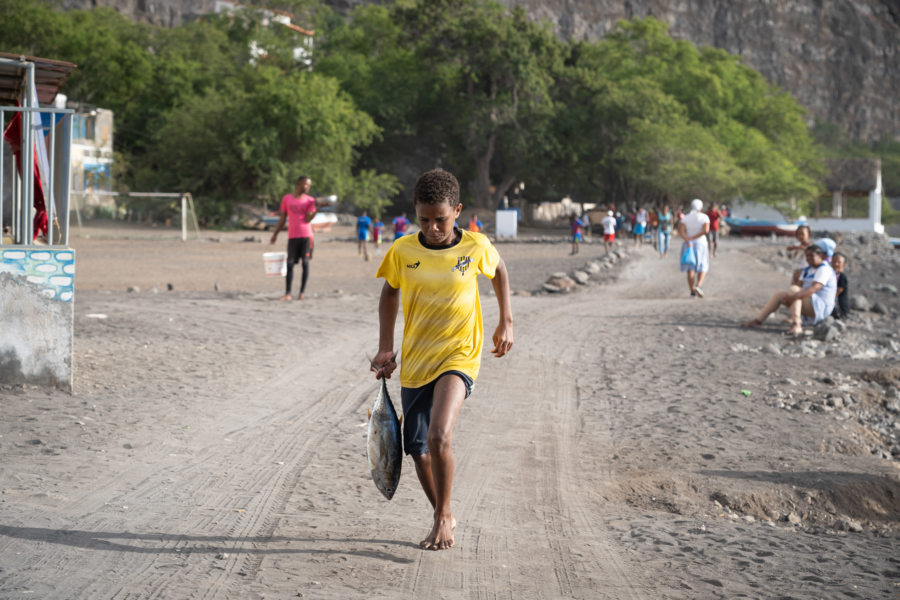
(854, 185)
(302, 53)
(92, 157)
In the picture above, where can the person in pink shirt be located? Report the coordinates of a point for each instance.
(298, 209)
(712, 237)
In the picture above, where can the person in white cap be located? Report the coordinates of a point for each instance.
(693, 229)
(609, 230)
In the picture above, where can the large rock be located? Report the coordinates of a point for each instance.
(879, 308)
(885, 287)
(592, 267)
(825, 331)
(559, 284)
(859, 302)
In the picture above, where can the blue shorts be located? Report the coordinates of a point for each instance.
(638, 229)
(576, 237)
(362, 236)
(417, 412)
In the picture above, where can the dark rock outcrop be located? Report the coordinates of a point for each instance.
(837, 57)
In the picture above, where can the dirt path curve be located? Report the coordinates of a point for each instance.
(215, 449)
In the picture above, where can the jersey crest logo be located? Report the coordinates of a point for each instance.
(462, 263)
(415, 265)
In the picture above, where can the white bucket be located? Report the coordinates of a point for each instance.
(276, 263)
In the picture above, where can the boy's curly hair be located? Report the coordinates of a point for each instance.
(436, 186)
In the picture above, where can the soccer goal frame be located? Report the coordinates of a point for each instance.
(187, 206)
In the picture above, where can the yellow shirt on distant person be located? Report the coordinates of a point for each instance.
(442, 323)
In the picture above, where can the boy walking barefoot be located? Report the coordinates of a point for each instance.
(434, 274)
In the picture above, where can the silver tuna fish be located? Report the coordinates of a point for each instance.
(385, 443)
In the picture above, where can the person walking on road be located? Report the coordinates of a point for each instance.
(433, 274)
(400, 223)
(693, 229)
(713, 236)
(640, 226)
(576, 225)
(363, 227)
(298, 209)
(609, 230)
(665, 230)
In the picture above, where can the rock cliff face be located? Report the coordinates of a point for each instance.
(839, 58)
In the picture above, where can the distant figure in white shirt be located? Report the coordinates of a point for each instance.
(609, 230)
(693, 229)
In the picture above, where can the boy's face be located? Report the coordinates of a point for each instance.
(303, 186)
(837, 263)
(813, 258)
(802, 235)
(436, 222)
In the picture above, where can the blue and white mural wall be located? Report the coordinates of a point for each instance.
(37, 289)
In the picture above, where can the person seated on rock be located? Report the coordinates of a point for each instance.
(842, 299)
(795, 251)
(809, 302)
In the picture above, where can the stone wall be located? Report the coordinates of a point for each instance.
(36, 315)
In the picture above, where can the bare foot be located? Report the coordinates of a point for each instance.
(754, 323)
(285, 298)
(441, 536)
(301, 297)
(796, 330)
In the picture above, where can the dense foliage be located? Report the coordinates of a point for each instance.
(400, 87)
(197, 110)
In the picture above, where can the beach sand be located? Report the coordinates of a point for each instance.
(636, 443)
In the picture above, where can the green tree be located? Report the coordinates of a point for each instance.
(493, 74)
(667, 118)
(463, 82)
(257, 135)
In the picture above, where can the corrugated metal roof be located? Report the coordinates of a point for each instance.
(49, 77)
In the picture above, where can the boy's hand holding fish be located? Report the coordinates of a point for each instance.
(383, 364)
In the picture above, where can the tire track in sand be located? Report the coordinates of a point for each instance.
(214, 506)
(518, 494)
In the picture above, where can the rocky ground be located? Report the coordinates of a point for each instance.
(637, 443)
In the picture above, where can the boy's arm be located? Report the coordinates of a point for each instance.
(385, 362)
(278, 227)
(503, 335)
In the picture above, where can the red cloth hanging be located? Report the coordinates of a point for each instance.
(13, 137)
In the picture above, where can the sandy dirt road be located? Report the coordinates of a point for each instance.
(215, 446)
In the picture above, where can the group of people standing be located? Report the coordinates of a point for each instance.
(655, 226)
(698, 230)
(368, 230)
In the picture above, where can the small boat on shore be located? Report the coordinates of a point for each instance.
(749, 227)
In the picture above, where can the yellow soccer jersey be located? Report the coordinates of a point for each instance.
(442, 324)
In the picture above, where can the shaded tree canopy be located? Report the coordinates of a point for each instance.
(222, 108)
